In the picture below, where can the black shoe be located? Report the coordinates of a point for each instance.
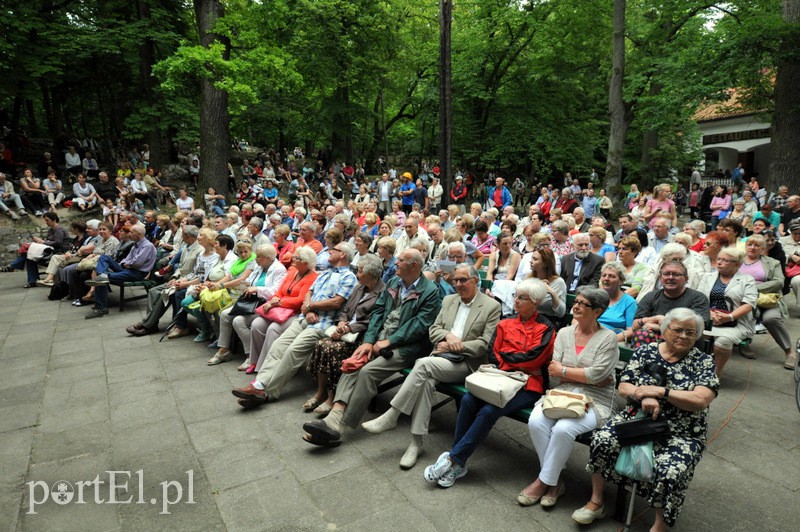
(6, 269)
(97, 313)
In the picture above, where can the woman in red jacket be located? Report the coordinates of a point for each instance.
(290, 295)
(524, 343)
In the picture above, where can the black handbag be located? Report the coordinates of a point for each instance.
(245, 306)
(642, 430)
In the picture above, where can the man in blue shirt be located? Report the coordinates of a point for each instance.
(407, 192)
(292, 349)
(589, 203)
(499, 195)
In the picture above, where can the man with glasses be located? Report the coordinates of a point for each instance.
(660, 235)
(460, 335)
(582, 267)
(396, 337)
(654, 305)
(412, 231)
(292, 349)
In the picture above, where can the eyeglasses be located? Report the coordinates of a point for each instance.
(688, 333)
(672, 274)
(461, 280)
(583, 304)
(522, 298)
(455, 257)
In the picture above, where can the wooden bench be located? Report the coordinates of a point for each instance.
(146, 283)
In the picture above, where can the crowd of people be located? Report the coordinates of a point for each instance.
(357, 285)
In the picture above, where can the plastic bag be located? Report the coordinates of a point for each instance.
(636, 462)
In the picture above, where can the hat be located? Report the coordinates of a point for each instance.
(459, 178)
(408, 175)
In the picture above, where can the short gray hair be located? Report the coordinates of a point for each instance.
(699, 225)
(533, 288)
(267, 251)
(191, 231)
(453, 246)
(561, 226)
(673, 248)
(597, 297)
(371, 265)
(617, 267)
(473, 273)
(683, 314)
(93, 224)
(348, 249)
(307, 256)
(415, 257)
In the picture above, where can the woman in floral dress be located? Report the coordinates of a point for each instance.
(691, 385)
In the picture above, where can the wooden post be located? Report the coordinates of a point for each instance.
(445, 96)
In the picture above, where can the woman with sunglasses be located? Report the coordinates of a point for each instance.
(583, 362)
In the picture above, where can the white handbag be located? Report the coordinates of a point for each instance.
(495, 386)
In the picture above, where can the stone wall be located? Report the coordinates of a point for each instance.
(11, 237)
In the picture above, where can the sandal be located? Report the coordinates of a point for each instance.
(219, 358)
(312, 403)
(323, 409)
(243, 366)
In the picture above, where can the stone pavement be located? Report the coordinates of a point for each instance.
(81, 397)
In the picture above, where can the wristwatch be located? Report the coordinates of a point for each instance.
(563, 372)
(666, 394)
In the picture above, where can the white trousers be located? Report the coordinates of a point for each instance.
(553, 440)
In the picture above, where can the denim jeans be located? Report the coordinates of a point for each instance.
(116, 274)
(30, 266)
(476, 418)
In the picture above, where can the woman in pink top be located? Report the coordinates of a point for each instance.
(720, 202)
(660, 203)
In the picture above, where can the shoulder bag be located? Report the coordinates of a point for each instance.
(245, 306)
(559, 404)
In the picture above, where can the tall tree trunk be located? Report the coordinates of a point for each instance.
(650, 141)
(618, 110)
(786, 119)
(33, 127)
(148, 85)
(214, 117)
(445, 96)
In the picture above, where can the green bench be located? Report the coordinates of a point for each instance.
(147, 284)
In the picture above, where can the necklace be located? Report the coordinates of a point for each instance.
(751, 263)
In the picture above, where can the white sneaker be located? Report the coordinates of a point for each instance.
(451, 475)
(411, 456)
(434, 472)
(761, 329)
(586, 516)
(38, 213)
(14, 216)
(379, 424)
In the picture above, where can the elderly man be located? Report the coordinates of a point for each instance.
(582, 267)
(254, 228)
(789, 213)
(134, 267)
(412, 231)
(660, 235)
(396, 337)
(180, 280)
(581, 223)
(779, 200)
(307, 237)
(291, 350)
(384, 195)
(589, 203)
(460, 335)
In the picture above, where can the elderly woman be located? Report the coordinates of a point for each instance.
(284, 248)
(621, 307)
(290, 296)
(362, 243)
(683, 398)
(84, 194)
(583, 362)
(733, 297)
(768, 275)
(326, 360)
(714, 242)
(635, 272)
(597, 241)
(503, 262)
(695, 229)
(739, 214)
(523, 343)
(263, 283)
